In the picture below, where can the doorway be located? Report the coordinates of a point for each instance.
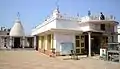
(95, 43)
(17, 42)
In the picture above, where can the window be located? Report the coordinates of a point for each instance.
(82, 38)
(82, 50)
(77, 50)
(102, 26)
(77, 43)
(77, 37)
(82, 44)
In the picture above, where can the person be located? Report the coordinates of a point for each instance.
(89, 13)
(102, 17)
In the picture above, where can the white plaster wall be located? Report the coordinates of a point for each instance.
(109, 29)
(3, 32)
(62, 38)
(67, 24)
(84, 26)
(44, 27)
(115, 28)
(118, 30)
(94, 26)
(89, 26)
(26, 43)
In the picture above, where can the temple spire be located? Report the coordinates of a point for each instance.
(89, 12)
(18, 15)
(18, 18)
(56, 12)
(57, 6)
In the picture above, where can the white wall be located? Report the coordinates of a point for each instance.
(94, 26)
(115, 28)
(108, 28)
(84, 26)
(62, 38)
(44, 27)
(67, 24)
(118, 30)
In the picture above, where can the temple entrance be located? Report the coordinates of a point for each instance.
(17, 42)
(95, 43)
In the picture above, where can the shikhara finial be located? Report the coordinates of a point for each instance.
(89, 12)
(18, 15)
(57, 6)
(78, 14)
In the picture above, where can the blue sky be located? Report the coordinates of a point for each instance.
(33, 12)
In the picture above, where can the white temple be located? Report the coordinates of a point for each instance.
(17, 35)
(82, 34)
(15, 38)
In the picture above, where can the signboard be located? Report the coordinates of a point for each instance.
(65, 48)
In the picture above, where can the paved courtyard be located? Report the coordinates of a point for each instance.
(24, 59)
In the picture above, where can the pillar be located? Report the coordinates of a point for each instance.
(89, 43)
(35, 42)
(11, 42)
(51, 41)
(23, 42)
(46, 42)
(40, 42)
(1, 42)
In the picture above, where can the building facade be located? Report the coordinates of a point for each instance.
(84, 35)
(4, 34)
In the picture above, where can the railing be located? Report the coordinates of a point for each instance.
(97, 17)
(45, 22)
(74, 18)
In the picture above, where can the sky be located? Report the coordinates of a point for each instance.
(34, 12)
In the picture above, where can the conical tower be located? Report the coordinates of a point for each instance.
(17, 30)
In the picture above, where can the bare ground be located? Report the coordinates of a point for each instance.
(25, 59)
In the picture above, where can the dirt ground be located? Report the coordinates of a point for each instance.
(25, 59)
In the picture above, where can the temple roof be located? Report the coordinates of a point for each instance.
(17, 29)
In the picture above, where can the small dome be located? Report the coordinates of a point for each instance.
(17, 29)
